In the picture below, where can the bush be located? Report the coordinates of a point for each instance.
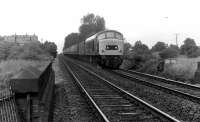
(139, 54)
(30, 51)
(159, 46)
(150, 67)
(190, 48)
(169, 53)
(195, 53)
(126, 64)
(50, 47)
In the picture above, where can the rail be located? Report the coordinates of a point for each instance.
(165, 80)
(95, 106)
(175, 92)
(130, 96)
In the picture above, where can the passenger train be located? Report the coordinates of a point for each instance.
(104, 48)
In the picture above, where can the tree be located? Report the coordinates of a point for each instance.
(175, 47)
(51, 48)
(127, 47)
(159, 46)
(71, 39)
(170, 52)
(140, 48)
(5, 49)
(1, 38)
(189, 47)
(197, 53)
(91, 24)
(140, 53)
(29, 51)
(97, 21)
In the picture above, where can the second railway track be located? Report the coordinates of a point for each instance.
(183, 90)
(112, 102)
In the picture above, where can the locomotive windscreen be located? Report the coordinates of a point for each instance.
(111, 47)
(107, 35)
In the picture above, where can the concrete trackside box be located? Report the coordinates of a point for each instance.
(26, 80)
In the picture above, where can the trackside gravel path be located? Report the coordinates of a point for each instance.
(69, 105)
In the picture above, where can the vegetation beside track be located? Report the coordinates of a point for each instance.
(180, 63)
(15, 57)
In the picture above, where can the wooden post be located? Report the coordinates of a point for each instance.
(28, 108)
(197, 73)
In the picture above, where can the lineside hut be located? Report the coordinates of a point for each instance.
(26, 81)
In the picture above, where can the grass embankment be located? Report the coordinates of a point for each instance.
(183, 69)
(10, 67)
(14, 57)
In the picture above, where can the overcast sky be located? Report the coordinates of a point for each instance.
(146, 20)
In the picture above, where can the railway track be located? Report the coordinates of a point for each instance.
(8, 108)
(165, 80)
(186, 91)
(111, 102)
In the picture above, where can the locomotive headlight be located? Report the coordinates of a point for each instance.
(102, 51)
(120, 51)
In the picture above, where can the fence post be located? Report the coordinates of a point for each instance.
(197, 73)
(28, 108)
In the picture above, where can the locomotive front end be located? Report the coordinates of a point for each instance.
(111, 46)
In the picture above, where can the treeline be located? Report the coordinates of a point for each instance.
(90, 24)
(31, 51)
(50, 47)
(140, 54)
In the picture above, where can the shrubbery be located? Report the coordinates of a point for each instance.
(137, 56)
(30, 51)
(142, 59)
(50, 47)
(190, 48)
(169, 53)
(150, 67)
(159, 46)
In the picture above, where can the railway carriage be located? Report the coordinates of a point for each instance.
(104, 48)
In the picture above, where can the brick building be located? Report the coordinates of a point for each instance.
(21, 39)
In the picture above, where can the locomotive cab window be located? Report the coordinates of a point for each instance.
(110, 35)
(102, 36)
(118, 36)
(111, 47)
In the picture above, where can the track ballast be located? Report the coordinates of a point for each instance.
(183, 90)
(110, 101)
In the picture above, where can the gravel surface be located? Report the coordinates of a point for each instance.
(69, 105)
(95, 87)
(180, 108)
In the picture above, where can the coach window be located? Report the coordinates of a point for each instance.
(102, 36)
(118, 36)
(110, 34)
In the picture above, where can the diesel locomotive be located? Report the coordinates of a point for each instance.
(104, 48)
